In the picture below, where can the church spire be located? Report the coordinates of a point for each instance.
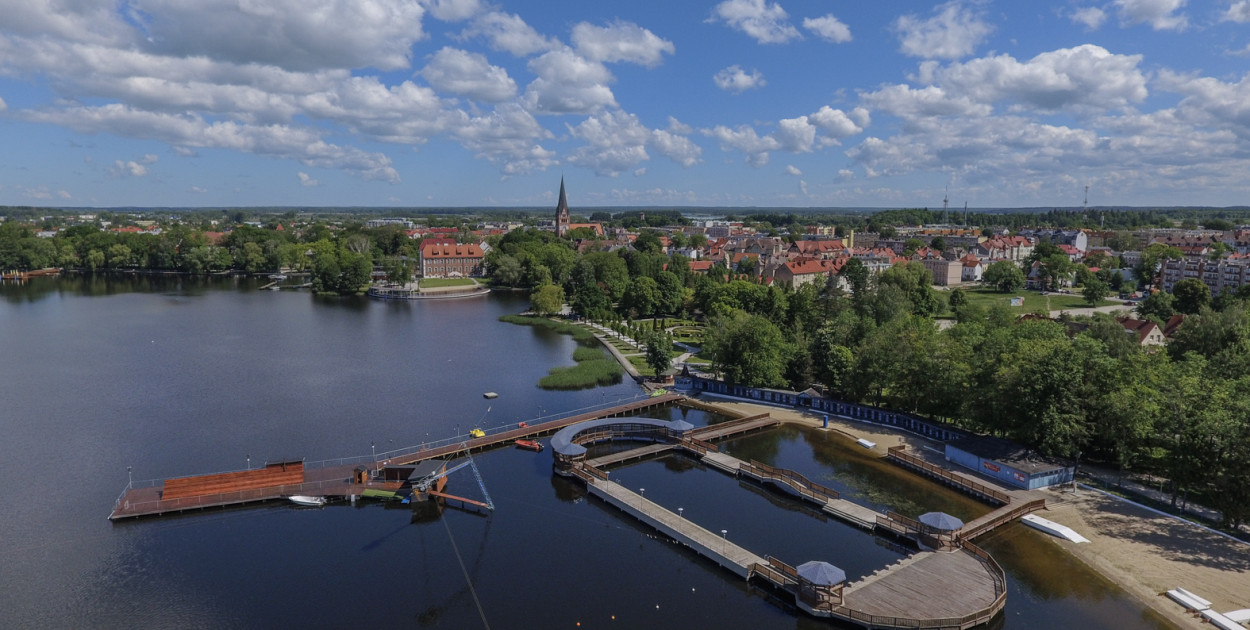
(562, 211)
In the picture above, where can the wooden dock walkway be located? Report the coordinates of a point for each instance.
(735, 428)
(337, 478)
(725, 553)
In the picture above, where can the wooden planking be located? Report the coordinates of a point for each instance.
(930, 585)
(734, 428)
(676, 526)
(630, 455)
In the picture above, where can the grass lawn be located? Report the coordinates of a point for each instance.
(1033, 300)
(434, 283)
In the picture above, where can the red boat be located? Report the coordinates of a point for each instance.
(529, 445)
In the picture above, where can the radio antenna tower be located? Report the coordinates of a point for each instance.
(965, 214)
(1085, 204)
(946, 207)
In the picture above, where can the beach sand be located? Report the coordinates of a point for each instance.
(1144, 552)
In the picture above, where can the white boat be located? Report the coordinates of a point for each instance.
(305, 500)
(490, 395)
(277, 276)
(865, 443)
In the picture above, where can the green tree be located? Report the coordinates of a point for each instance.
(855, 274)
(659, 356)
(547, 299)
(1095, 290)
(1191, 295)
(671, 294)
(1158, 305)
(747, 349)
(118, 256)
(957, 299)
(1004, 275)
(642, 297)
(938, 243)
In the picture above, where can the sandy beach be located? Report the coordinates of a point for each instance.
(1144, 552)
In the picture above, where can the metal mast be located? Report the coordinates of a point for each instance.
(946, 207)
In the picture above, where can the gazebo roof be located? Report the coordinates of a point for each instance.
(821, 573)
(941, 520)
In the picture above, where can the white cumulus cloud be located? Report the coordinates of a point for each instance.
(1238, 11)
(1161, 15)
(953, 31)
(620, 41)
(793, 170)
(128, 168)
(568, 83)
(509, 33)
(735, 79)
(1091, 17)
(828, 28)
(3, 105)
(764, 22)
(452, 10)
(1085, 75)
(292, 34)
(306, 180)
(468, 74)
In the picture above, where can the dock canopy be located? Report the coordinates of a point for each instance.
(941, 520)
(821, 573)
(680, 426)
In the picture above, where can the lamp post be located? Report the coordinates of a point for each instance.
(642, 491)
(130, 481)
(680, 513)
(724, 537)
(373, 447)
(249, 461)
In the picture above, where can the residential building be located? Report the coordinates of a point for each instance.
(1075, 238)
(1219, 275)
(377, 223)
(945, 272)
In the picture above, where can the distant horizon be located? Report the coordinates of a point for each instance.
(955, 212)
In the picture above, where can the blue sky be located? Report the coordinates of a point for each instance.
(732, 103)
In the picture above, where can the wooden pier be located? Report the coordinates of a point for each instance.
(340, 478)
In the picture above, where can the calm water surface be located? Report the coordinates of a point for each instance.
(175, 377)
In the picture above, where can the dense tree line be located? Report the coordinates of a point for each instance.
(1071, 389)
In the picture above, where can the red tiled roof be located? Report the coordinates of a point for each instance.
(459, 250)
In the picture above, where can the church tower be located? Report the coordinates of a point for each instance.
(562, 212)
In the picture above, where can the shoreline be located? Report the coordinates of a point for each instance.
(1142, 552)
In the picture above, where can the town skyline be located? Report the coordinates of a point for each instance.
(732, 104)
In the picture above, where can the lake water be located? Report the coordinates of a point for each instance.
(185, 376)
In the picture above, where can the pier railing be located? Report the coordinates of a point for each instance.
(998, 517)
(898, 453)
(794, 480)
